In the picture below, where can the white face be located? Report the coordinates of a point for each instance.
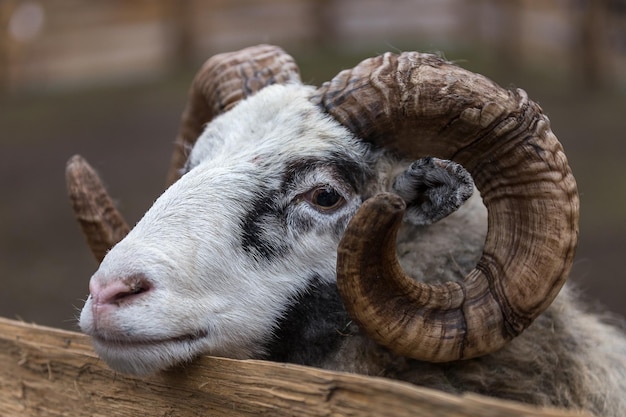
(216, 260)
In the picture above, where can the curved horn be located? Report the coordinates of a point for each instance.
(101, 223)
(419, 105)
(223, 81)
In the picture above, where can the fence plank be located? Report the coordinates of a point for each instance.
(51, 372)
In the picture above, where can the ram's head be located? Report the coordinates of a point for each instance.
(283, 186)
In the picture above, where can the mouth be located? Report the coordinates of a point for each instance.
(147, 355)
(143, 342)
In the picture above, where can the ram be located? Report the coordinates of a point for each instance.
(298, 211)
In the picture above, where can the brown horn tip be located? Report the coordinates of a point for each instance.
(420, 105)
(222, 82)
(366, 259)
(102, 225)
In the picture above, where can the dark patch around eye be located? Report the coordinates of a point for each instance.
(263, 229)
(354, 173)
(265, 226)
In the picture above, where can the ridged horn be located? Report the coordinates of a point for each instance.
(101, 222)
(419, 105)
(222, 82)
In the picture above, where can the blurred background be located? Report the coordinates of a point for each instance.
(109, 80)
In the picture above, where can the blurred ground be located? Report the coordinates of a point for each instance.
(127, 132)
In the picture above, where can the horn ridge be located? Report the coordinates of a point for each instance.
(419, 105)
(100, 221)
(222, 82)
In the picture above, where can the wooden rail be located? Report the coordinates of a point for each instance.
(51, 372)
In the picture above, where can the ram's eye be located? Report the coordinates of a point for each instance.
(324, 198)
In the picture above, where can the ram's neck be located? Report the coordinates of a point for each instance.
(312, 327)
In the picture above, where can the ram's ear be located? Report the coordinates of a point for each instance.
(433, 188)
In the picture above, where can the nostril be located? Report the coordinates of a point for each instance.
(120, 291)
(131, 289)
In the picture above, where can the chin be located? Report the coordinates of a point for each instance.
(144, 358)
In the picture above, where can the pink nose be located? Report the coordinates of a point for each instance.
(119, 292)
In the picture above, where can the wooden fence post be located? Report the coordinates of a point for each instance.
(51, 372)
